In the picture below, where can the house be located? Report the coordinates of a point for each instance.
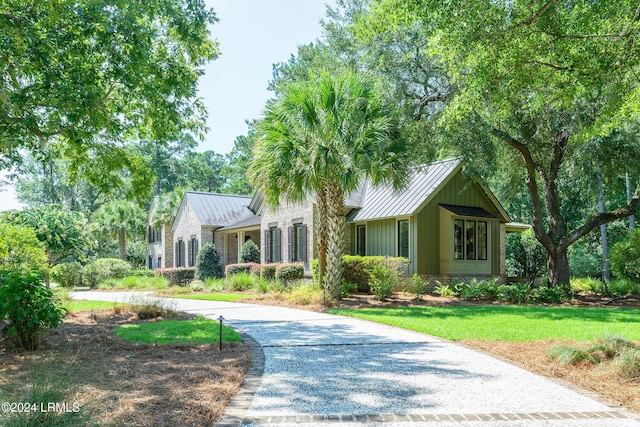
(442, 222)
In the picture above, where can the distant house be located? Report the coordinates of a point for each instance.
(159, 243)
(443, 223)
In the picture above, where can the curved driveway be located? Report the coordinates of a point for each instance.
(322, 369)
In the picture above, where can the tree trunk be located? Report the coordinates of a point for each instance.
(558, 267)
(632, 218)
(320, 223)
(122, 245)
(335, 240)
(606, 275)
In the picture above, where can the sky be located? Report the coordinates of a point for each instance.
(253, 35)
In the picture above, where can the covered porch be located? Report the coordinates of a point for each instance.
(230, 239)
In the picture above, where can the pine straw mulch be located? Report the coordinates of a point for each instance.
(116, 382)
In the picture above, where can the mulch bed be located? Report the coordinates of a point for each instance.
(117, 382)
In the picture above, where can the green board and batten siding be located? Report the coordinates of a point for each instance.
(424, 228)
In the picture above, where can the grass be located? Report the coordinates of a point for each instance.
(216, 297)
(198, 331)
(81, 305)
(507, 323)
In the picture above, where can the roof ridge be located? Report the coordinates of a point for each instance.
(205, 193)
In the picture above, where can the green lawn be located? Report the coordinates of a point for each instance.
(89, 305)
(197, 331)
(507, 323)
(216, 297)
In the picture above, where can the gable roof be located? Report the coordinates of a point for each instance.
(214, 209)
(424, 182)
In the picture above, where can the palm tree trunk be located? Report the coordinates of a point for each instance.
(335, 240)
(320, 222)
(122, 245)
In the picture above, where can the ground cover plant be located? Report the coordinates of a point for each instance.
(116, 382)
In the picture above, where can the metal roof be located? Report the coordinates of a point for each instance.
(468, 211)
(384, 202)
(251, 221)
(217, 210)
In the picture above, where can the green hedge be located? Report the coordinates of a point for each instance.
(268, 271)
(287, 273)
(358, 269)
(142, 273)
(245, 267)
(177, 276)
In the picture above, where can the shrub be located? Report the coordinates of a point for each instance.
(104, 268)
(479, 290)
(417, 286)
(27, 307)
(250, 252)
(348, 288)
(68, 274)
(208, 263)
(358, 269)
(625, 258)
(232, 269)
(268, 271)
(305, 295)
(382, 281)
(21, 249)
(586, 284)
(146, 308)
(240, 281)
(443, 290)
(177, 276)
(142, 273)
(287, 273)
(518, 293)
(554, 294)
(197, 286)
(628, 364)
(260, 284)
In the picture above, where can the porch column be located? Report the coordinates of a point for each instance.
(240, 243)
(226, 248)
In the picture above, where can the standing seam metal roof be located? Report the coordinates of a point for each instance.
(384, 202)
(219, 209)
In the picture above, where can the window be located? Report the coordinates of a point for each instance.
(193, 251)
(155, 235)
(180, 253)
(458, 227)
(159, 262)
(272, 238)
(403, 238)
(482, 240)
(298, 243)
(470, 240)
(361, 240)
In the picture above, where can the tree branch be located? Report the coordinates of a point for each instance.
(533, 17)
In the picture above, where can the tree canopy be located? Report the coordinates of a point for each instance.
(81, 78)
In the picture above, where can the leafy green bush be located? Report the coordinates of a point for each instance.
(625, 258)
(442, 290)
(621, 287)
(479, 290)
(105, 268)
(382, 281)
(176, 276)
(287, 273)
(208, 263)
(260, 284)
(517, 293)
(358, 269)
(68, 274)
(417, 286)
(27, 307)
(586, 284)
(348, 288)
(268, 271)
(239, 281)
(232, 269)
(554, 294)
(250, 252)
(21, 249)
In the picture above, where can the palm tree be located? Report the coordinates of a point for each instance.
(119, 219)
(322, 137)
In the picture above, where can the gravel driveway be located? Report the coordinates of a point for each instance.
(315, 369)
